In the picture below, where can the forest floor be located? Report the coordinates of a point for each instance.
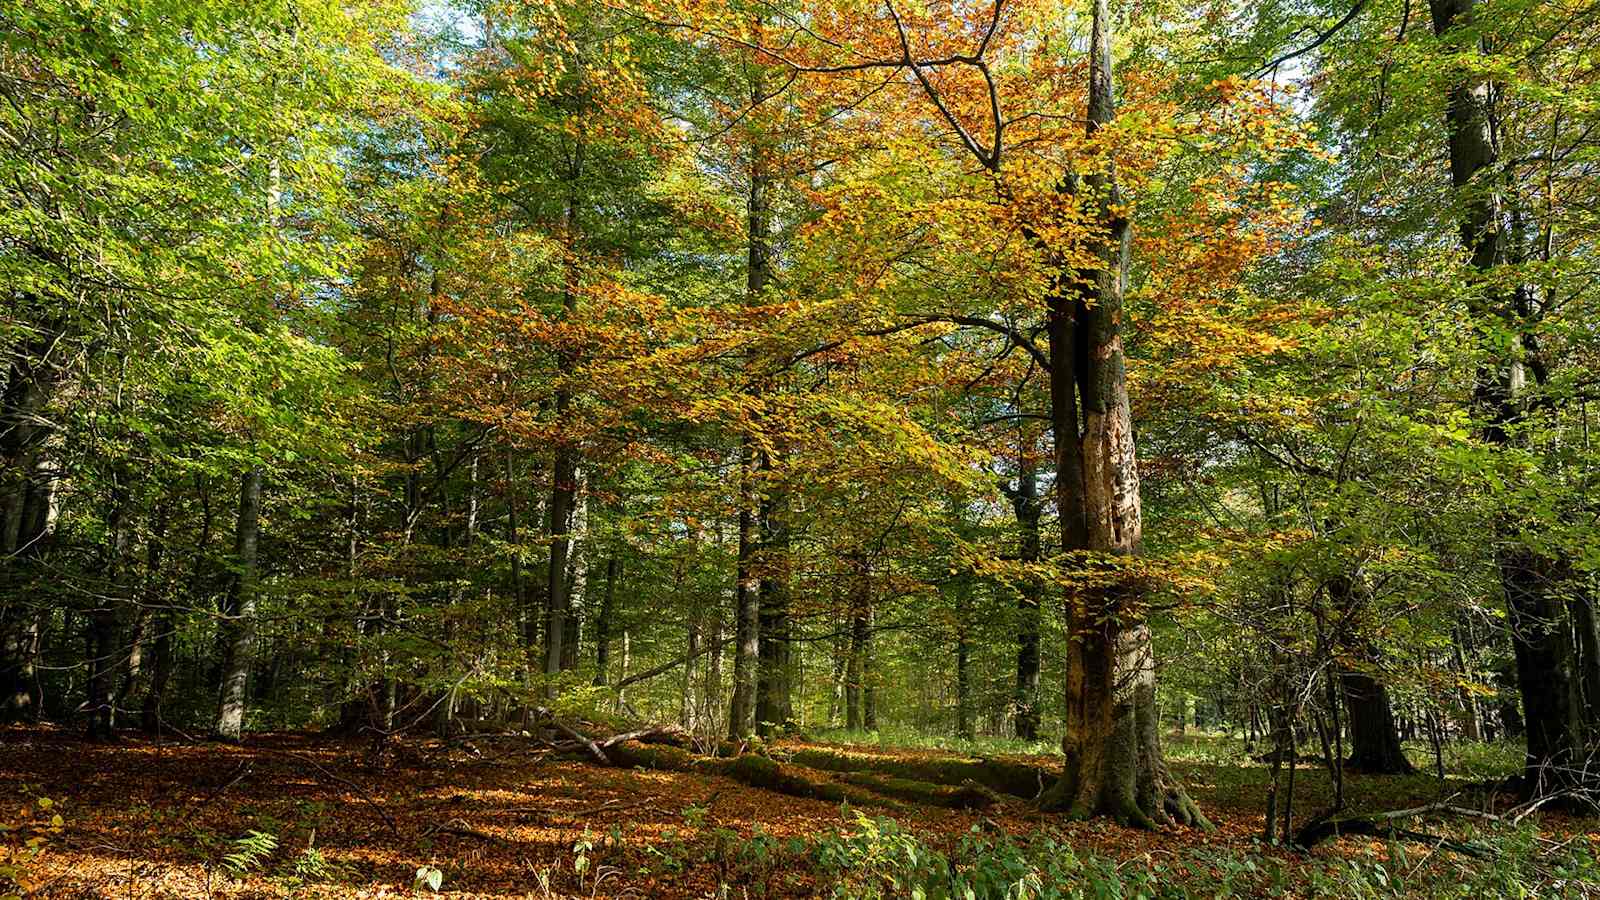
(145, 818)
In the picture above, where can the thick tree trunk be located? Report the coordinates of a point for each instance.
(1560, 728)
(27, 502)
(241, 617)
(1113, 759)
(1374, 739)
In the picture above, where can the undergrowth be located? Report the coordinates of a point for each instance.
(876, 858)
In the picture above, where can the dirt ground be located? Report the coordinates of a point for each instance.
(145, 818)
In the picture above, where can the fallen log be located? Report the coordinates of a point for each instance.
(1001, 776)
(749, 769)
(1386, 825)
(967, 795)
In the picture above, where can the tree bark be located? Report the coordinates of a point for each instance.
(105, 656)
(1374, 739)
(747, 621)
(855, 675)
(747, 693)
(563, 494)
(775, 673)
(1025, 502)
(240, 621)
(964, 724)
(1559, 728)
(603, 624)
(27, 502)
(1113, 760)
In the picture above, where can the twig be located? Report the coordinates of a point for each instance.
(238, 775)
(462, 830)
(585, 740)
(608, 806)
(360, 791)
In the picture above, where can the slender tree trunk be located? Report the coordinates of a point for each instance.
(577, 580)
(747, 621)
(1025, 501)
(687, 708)
(627, 653)
(869, 679)
(1471, 712)
(563, 493)
(564, 475)
(604, 622)
(855, 676)
(775, 675)
(747, 662)
(241, 620)
(964, 725)
(105, 655)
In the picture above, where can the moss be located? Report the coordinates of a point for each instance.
(967, 795)
(1001, 776)
(761, 772)
(749, 768)
(652, 756)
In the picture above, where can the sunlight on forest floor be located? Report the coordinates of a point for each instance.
(290, 815)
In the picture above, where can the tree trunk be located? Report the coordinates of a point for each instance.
(775, 675)
(1558, 726)
(1471, 712)
(563, 496)
(1374, 739)
(855, 674)
(964, 723)
(1025, 501)
(564, 474)
(687, 709)
(742, 718)
(603, 623)
(27, 502)
(241, 617)
(1113, 759)
(747, 612)
(105, 655)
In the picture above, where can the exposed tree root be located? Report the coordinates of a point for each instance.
(1148, 804)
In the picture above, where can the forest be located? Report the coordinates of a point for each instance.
(791, 448)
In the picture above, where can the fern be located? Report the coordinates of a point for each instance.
(249, 852)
